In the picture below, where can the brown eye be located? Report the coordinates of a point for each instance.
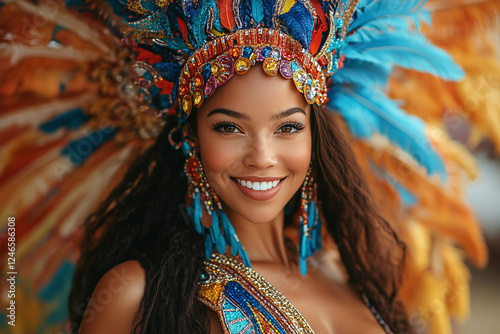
(225, 127)
(229, 128)
(290, 128)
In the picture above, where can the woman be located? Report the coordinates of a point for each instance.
(255, 128)
(248, 156)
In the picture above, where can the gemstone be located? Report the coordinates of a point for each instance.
(309, 94)
(206, 71)
(299, 78)
(266, 51)
(235, 52)
(210, 86)
(252, 58)
(287, 55)
(215, 68)
(260, 56)
(286, 69)
(187, 104)
(247, 52)
(198, 80)
(242, 65)
(270, 66)
(197, 98)
(276, 54)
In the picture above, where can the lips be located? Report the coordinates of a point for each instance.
(259, 189)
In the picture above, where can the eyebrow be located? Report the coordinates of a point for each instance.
(235, 114)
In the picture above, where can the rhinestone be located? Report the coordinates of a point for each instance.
(286, 69)
(299, 78)
(235, 52)
(270, 66)
(215, 69)
(309, 94)
(276, 54)
(187, 104)
(197, 98)
(198, 80)
(242, 65)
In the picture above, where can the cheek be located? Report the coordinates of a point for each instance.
(218, 156)
(296, 154)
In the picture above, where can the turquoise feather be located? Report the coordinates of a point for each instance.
(408, 51)
(377, 16)
(257, 11)
(362, 73)
(367, 111)
(197, 212)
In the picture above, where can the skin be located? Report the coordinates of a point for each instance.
(270, 136)
(252, 141)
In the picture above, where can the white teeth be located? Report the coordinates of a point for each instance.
(261, 186)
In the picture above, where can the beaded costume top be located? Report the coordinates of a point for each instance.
(247, 303)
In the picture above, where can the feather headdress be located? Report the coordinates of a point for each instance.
(84, 89)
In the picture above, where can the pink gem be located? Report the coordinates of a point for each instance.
(286, 69)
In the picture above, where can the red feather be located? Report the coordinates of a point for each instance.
(320, 27)
(226, 13)
(183, 28)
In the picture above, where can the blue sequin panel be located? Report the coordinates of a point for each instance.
(249, 308)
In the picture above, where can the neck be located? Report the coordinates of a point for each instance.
(263, 242)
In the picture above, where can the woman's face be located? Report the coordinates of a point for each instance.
(255, 143)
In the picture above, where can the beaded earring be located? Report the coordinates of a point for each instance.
(201, 195)
(310, 222)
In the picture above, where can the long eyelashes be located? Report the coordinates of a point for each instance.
(228, 128)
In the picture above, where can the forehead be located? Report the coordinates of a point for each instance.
(255, 92)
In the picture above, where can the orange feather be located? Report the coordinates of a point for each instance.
(226, 14)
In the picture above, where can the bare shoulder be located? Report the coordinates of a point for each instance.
(115, 300)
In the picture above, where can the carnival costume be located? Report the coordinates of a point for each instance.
(87, 85)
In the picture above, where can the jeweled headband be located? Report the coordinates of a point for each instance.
(199, 45)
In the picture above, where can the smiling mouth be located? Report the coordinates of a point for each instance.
(258, 186)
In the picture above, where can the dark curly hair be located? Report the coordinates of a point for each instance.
(143, 219)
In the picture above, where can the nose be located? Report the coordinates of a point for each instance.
(260, 154)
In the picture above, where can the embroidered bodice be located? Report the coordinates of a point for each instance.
(247, 303)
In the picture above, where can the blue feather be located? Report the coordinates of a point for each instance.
(406, 197)
(257, 11)
(397, 14)
(362, 73)
(80, 149)
(197, 212)
(71, 120)
(409, 51)
(300, 23)
(367, 111)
